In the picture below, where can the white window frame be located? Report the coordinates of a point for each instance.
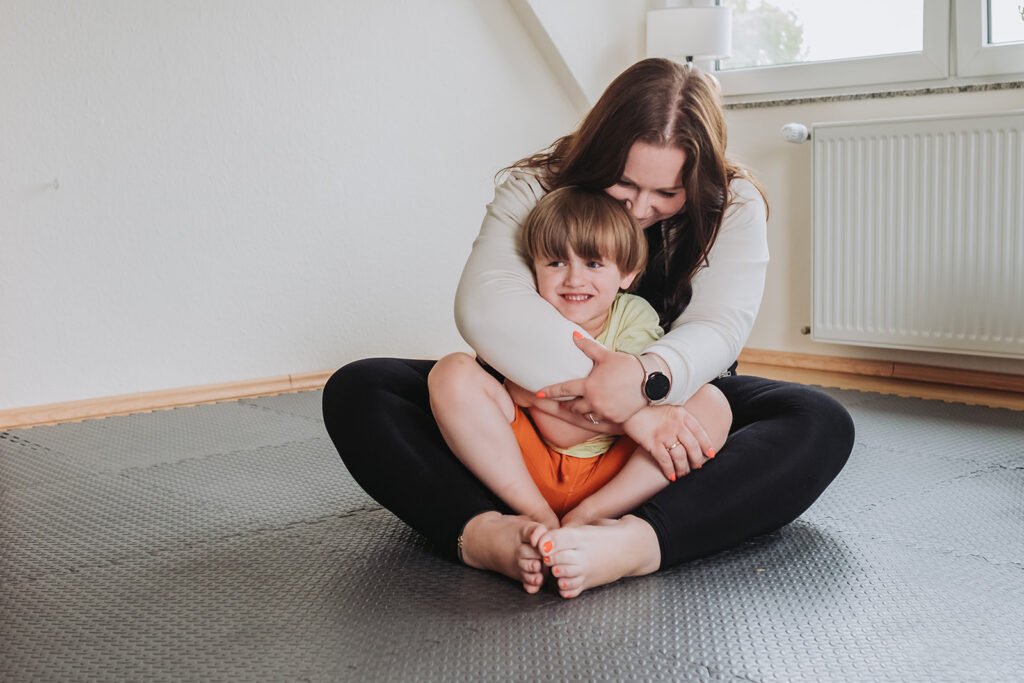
(974, 56)
(929, 64)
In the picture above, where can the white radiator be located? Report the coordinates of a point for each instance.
(918, 234)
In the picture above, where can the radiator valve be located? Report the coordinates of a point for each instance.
(795, 133)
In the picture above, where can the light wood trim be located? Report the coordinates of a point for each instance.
(888, 385)
(125, 404)
(904, 379)
(908, 371)
(808, 361)
(966, 378)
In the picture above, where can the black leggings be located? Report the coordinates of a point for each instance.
(787, 443)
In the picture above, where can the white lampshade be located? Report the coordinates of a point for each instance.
(690, 32)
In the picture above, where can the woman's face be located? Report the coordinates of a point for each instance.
(651, 185)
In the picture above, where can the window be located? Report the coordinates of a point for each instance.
(800, 45)
(990, 37)
(1001, 22)
(801, 31)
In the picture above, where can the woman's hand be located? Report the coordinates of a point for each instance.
(673, 437)
(527, 399)
(613, 391)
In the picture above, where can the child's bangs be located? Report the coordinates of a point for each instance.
(593, 226)
(593, 244)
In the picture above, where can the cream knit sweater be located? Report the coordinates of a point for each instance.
(499, 313)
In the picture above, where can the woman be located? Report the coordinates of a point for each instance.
(655, 141)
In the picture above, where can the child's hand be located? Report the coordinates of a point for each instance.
(520, 396)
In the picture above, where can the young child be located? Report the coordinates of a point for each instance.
(583, 248)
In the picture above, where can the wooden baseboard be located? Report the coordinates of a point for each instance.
(73, 411)
(872, 368)
(879, 371)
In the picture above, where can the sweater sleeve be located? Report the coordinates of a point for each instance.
(497, 309)
(710, 333)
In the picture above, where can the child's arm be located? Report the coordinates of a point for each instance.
(546, 412)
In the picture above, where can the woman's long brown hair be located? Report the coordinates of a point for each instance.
(668, 104)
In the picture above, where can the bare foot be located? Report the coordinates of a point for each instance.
(505, 544)
(545, 516)
(578, 516)
(582, 557)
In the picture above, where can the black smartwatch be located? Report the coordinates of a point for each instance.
(656, 386)
(656, 383)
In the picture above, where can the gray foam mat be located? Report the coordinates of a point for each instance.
(227, 542)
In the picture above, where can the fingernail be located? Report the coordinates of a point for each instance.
(576, 334)
(541, 394)
(555, 571)
(672, 477)
(547, 547)
(547, 559)
(562, 584)
(711, 454)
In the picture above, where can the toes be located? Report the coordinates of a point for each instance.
(533, 533)
(532, 580)
(526, 551)
(566, 570)
(545, 543)
(529, 565)
(570, 557)
(570, 588)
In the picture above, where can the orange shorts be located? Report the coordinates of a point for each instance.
(565, 480)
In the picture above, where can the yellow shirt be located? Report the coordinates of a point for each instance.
(631, 327)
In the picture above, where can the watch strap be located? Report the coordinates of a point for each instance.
(652, 366)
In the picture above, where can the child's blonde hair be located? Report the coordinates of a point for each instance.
(592, 224)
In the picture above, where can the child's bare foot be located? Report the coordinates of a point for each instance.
(546, 517)
(505, 544)
(578, 516)
(582, 557)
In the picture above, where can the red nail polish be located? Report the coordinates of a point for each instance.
(547, 547)
(547, 559)
(576, 334)
(555, 571)
(672, 477)
(541, 394)
(562, 584)
(711, 454)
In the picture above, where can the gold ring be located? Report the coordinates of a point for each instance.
(669, 448)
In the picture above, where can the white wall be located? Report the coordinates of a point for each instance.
(785, 171)
(194, 192)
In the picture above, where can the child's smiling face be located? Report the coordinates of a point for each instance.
(582, 290)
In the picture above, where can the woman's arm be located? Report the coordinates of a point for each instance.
(710, 333)
(497, 308)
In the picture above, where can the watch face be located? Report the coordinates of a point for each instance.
(657, 385)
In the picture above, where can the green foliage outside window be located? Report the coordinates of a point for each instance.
(763, 34)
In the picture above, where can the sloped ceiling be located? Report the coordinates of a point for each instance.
(587, 43)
